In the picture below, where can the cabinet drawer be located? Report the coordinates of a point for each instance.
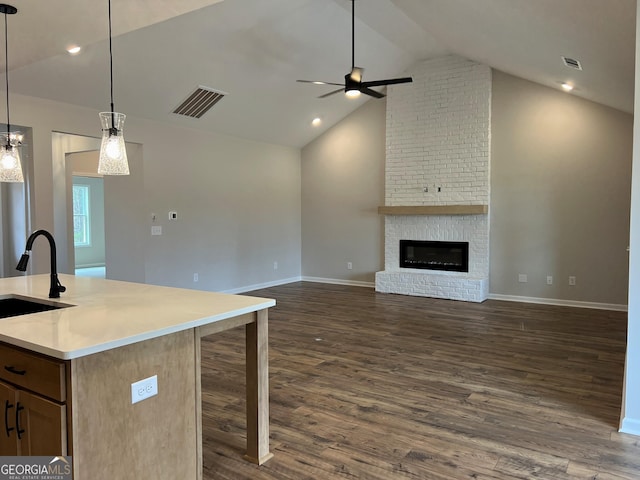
(40, 374)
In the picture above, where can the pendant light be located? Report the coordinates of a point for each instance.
(10, 166)
(113, 153)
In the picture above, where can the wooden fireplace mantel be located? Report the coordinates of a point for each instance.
(434, 210)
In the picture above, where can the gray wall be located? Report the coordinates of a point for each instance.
(560, 194)
(238, 201)
(342, 187)
(238, 205)
(93, 255)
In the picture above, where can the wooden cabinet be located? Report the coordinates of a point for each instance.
(8, 441)
(33, 400)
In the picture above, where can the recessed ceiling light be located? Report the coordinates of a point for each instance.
(316, 121)
(74, 49)
(567, 87)
(352, 93)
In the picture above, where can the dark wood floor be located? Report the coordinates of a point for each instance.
(378, 386)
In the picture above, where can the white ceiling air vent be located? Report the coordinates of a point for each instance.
(572, 63)
(199, 102)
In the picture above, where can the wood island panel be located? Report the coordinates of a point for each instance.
(154, 438)
(226, 324)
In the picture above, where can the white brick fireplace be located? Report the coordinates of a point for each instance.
(438, 154)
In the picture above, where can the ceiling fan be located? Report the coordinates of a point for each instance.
(353, 84)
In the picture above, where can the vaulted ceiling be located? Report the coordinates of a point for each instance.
(254, 50)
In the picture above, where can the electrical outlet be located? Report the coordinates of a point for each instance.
(522, 278)
(144, 389)
(349, 266)
(549, 280)
(275, 265)
(572, 281)
(156, 230)
(195, 277)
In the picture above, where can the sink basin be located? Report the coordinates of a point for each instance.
(13, 306)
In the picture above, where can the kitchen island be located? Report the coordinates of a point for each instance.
(112, 334)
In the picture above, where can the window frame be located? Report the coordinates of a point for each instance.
(86, 216)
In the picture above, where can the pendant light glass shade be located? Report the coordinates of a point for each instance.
(113, 154)
(10, 166)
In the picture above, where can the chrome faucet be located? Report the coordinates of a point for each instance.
(56, 287)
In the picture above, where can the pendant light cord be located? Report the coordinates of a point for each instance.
(113, 115)
(110, 56)
(6, 76)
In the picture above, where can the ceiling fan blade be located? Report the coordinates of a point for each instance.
(356, 74)
(370, 92)
(389, 81)
(317, 82)
(331, 93)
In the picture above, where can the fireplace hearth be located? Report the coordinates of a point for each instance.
(433, 255)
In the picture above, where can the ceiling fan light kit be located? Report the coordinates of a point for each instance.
(353, 84)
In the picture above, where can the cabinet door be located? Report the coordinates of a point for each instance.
(8, 440)
(41, 427)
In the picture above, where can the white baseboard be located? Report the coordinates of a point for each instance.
(336, 281)
(260, 286)
(562, 303)
(492, 296)
(630, 426)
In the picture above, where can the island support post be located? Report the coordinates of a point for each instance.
(257, 381)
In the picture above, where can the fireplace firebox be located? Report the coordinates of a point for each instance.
(432, 255)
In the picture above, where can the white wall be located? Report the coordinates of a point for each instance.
(238, 201)
(630, 422)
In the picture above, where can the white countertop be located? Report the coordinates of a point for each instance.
(107, 314)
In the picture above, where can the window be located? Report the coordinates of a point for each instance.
(81, 220)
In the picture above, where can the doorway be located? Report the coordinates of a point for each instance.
(123, 207)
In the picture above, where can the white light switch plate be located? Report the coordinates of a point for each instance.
(156, 230)
(144, 389)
